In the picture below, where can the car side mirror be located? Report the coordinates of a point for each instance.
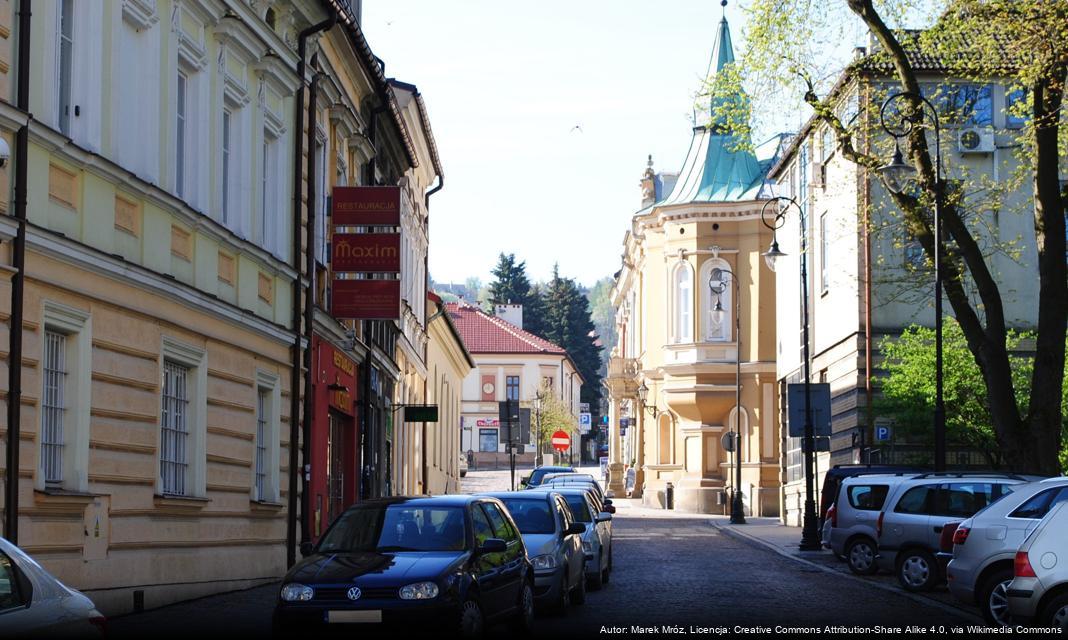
(306, 549)
(604, 517)
(493, 545)
(525, 479)
(608, 501)
(576, 528)
(609, 508)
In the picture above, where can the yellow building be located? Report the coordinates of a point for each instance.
(448, 364)
(675, 375)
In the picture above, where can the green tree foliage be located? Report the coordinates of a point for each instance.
(567, 323)
(553, 414)
(604, 317)
(511, 285)
(1022, 44)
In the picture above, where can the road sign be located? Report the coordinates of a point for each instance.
(727, 441)
(883, 433)
(585, 423)
(584, 407)
(421, 413)
(821, 409)
(561, 441)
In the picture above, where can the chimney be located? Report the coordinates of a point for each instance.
(511, 313)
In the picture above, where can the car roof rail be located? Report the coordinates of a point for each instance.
(970, 474)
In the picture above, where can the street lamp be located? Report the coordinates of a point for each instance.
(896, 175)
(643, 394)
(737, 508)
(810, 539)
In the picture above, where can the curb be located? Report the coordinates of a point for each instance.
(755, 541)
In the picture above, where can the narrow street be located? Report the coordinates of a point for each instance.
(669, 569)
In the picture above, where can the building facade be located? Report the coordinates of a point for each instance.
(510, 364)
(694, 248)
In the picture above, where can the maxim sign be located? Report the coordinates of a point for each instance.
(366, 252)
(366, 206)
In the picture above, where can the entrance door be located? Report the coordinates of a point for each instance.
(335, 468)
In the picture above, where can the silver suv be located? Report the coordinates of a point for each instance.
(1039, 593)
(985, 544)
(910, 524)
(852, 532)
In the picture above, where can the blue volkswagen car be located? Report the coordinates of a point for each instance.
(454, 563)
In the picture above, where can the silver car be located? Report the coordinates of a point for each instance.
(554, 544)
(1039, 592)
(851, 530)
(985, 546)
(597, 541)
(34, 602)
(910, 524)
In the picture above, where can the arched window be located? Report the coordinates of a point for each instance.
(664, 439)
(716, 287)
(269, 18)
(683, 303)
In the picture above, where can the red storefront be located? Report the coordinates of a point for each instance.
(334, 438)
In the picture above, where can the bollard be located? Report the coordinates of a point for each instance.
(669, 496)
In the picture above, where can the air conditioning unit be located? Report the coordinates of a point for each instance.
(816, 174)
(975, 140)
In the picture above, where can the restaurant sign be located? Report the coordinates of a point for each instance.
(366, 299)
(366, 206)
(366, 252)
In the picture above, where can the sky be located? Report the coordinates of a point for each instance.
(507, 82)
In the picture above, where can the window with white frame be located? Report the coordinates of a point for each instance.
(190, 109)
(65, 389)
(269, 193)
(180, 134)
(227, 177)
(237, 148)
(135, 43)
(53, 407)
(183, 416)
(824, 247)
(716, 287)
(320, 201)
(265, 468)
(683, 307)
(65, 65)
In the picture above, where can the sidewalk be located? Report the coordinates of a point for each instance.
(783, 540)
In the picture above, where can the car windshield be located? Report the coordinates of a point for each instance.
(579, 508)
(532, 516)
(397, 527)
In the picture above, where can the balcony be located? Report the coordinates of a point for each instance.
(622, 378)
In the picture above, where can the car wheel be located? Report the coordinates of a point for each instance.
(860, 556)
(917, 570)
(994, 599)
(1056, 613)
(523, 621)
(597, 581)
(578, 592)
(471, 623)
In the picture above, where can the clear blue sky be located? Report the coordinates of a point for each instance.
(506, 81)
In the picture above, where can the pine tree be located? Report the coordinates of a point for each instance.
(511, 285)
(567, 323)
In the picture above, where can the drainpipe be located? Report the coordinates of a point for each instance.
(18, 283)
(294, 377)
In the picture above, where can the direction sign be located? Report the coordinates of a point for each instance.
(561, 441)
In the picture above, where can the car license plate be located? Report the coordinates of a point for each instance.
(354, 616)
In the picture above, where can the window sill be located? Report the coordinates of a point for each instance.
(263, 505)
(55, 498)
(181, 502)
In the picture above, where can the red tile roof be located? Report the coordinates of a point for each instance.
(483, 333)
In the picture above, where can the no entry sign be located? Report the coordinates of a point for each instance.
(561, 441)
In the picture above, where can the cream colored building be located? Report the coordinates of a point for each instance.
(695, 228)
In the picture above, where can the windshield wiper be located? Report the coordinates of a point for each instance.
(395, 548)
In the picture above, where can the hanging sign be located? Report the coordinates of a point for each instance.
(366, 252)
(366, 206)
(365, 299)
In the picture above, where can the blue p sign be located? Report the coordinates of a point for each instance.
(882, 434)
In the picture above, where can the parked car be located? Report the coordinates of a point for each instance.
(537, 475)
(578, 480)
(915, 511)
(1039, 590)
(832, 480)
(34, 602)
(984, 546)
(850, 521)
(448, 562)
(554, 543)
(597, 540)
(463, 465)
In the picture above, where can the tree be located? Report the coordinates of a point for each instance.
(567, 323)
(511, 285)
(553, 414)
(604, 316)
(1023, 43)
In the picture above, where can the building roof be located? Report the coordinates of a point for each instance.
(483, 333)
(719, 167)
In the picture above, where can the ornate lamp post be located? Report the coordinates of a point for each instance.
(810, 539)
(896, 176)
(737, 508)
(643, 394)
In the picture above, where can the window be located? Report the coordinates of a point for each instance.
(53, 407)
(511, 386)
(11, 596)
(180, 134)
(964, 499)
(915, 501)
(263, 402)
(175, 429)
(268, 193)
(65, 62)
(480, 523)
(961, 103)
(487, 440)
(320, 202)
(227, 176)
(824, 247)
(683, 303)
(1016, 108)
(827, 144)
(867, 497)
(501, 528)
(1038, 505)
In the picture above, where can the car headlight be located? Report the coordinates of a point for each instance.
(296, 592)
(587, 547)
(419, 591)
(545, 562)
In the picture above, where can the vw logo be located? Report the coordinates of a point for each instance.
(354, 593)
